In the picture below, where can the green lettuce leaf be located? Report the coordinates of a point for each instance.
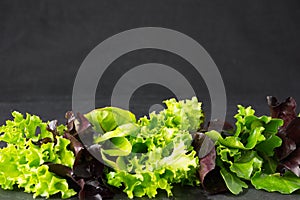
(144, 175)
(153, 153)
(248, 163)
(233, 183)
(249, 151)
(185, 115)
(118, 146)
(22, 161)
(120, 131)
(108, 118)
(286, 184)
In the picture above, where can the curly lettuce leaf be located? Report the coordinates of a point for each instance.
(184, 114)
(22, 161)
(157, 151)
(162, 166)
(244, 154)
(156, 172)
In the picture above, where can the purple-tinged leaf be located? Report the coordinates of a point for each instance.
(202, 144)
(291, 163)
(210, 176)
(289, 152)
(42, 141)
(87, 170)
(75, 145)
(93, 189)
(81, 123)
(287, 146)
(67, 173)
(70, 122)
(293, 131)
(52, 126)
(285, 110)
(207, 164)
(60, 170)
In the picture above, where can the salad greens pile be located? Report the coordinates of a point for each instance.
(248, 153)
(30, 145)
(109, 149)
(152, 153)
(258, 151)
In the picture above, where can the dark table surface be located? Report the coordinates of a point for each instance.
(179, 192)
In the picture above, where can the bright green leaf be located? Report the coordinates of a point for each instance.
(269, 145)
(108, 118)
(118, 146)
(275, 183)
(233, 183)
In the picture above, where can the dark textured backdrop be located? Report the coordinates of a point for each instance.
(255, 44)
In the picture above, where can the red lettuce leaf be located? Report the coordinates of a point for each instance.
(291, 163)
(209, 173)
(289, 152)
(65, 172)
(285, 110)
(293, 131)
(286, 148)
(87, 174)
(52, 128)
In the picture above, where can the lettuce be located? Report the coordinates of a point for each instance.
(249, 150)
(286, 184)
(30, 145)
(110, 147)
(87, 173)
(152, 153)
(109, 118)
(208, 171)
(283, 110)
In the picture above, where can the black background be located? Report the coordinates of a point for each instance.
(255, 44)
